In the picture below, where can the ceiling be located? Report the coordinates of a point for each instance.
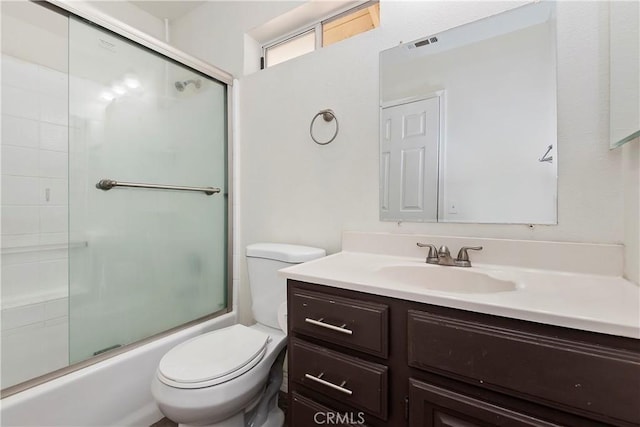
(168, 9)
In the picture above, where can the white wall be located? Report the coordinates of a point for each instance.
(129, 14)
(296, 191)
(216, 30)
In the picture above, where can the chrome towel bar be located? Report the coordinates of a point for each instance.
(108, 184)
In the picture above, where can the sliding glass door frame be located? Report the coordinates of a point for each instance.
(105, 21)
(70, 8)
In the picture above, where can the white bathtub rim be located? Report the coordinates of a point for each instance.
(145, 415)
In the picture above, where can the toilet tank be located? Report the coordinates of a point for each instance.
(268, 289)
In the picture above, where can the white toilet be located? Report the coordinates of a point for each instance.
(217, 378)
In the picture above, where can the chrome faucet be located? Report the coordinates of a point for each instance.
(442, 256)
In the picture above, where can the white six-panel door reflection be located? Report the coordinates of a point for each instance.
(410, 137)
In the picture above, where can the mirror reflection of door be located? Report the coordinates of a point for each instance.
(410, 137)
(499, 74)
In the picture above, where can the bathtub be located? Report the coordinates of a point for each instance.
(113, 392)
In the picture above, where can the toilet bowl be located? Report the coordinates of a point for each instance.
(207, 394)
(218, 378)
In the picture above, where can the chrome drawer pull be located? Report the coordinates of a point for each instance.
(328, 326)
(328, 384)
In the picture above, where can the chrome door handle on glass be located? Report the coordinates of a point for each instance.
(319, 380)
(108, 184)
(322, 324)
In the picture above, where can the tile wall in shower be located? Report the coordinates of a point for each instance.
(34, 220)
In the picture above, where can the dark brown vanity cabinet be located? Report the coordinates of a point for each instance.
(440, 407)
(338, 359)
(379, 361)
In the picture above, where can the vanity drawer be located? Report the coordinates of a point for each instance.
(434, 406)
(352, 323)
(306, 412)
(571, 375)
(350, 380)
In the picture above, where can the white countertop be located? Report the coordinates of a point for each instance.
(597, 303)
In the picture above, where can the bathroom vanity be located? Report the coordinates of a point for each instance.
(400, 355)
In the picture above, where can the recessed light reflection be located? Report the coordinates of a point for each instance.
(119, 89)
(107, 96)
(132, 83)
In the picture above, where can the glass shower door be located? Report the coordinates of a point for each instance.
(141, 261)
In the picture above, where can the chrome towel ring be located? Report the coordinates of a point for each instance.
(328, 116)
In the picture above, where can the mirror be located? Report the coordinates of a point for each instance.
(624, 69)
(468, 128)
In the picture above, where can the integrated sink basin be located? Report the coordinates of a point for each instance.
(446, 279)
(571, 285)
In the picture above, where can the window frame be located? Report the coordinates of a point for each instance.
(287, 38)
(317, 27)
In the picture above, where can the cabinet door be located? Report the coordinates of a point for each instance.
(432, 406)
(306, 412)
(562, 372)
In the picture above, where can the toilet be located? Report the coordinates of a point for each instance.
(221, 378)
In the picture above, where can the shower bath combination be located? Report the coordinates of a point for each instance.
(182, 85)
(92, 303)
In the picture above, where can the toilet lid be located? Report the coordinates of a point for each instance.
(213, 358)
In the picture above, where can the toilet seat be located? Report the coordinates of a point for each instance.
(213, 358)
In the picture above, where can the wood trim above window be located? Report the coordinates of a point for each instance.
(357, 22)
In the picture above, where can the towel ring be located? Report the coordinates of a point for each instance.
(328, 116)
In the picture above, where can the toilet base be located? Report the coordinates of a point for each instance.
(275, 419)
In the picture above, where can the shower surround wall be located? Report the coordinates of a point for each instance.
(34, 220)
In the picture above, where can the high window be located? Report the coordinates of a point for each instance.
(331, 30)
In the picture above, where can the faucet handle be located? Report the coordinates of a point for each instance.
(432, 257)
(463, 256)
